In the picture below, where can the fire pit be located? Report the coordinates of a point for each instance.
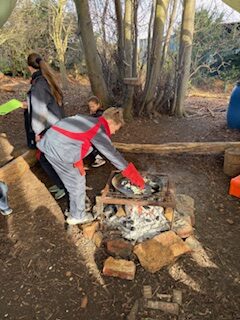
(164, 197)
(142, 215)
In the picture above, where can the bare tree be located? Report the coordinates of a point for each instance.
(6, 9)
(169, 30)
(135, 39)
(128, 41)
(60, 32)
(93, 62)
(185, 52)
(120, 41)
(155, 57)
(103, 20)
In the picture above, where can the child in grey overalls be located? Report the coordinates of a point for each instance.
(70, 140)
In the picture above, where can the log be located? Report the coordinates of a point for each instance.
(30, 157)
(178, 147)
(231, 165)
(13, 170)
(168, 307)
(147, 292)
(16, 168)
(6, 149)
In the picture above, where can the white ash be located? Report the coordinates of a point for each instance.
(140, 222)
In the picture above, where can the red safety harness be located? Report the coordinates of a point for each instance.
(85, 137)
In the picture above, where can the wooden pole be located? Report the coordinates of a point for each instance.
(177, 148)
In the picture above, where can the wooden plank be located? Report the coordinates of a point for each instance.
(178, 147)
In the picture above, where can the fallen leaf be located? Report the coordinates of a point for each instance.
(84, 302)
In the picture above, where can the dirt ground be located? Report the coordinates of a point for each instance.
(45, 273)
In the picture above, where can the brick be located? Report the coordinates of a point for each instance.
(174, 242)
(184, 202)
(185, 207)
(90, 229)
(119, 247)
(98, 238)
(169, 213)
(182, 216)
(182, 228)
(153, 255)
(167, 238)
(120, 268)
(179, 248)
(193, 243)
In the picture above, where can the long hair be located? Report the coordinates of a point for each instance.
(35, 61)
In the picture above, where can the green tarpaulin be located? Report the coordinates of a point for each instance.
(9, 106)
(235, 4)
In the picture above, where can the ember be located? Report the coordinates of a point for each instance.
(140, 223)
(142, 213)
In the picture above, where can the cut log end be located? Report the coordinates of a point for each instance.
(232, 162)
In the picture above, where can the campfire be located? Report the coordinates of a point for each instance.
(139, 215)
(154, 225)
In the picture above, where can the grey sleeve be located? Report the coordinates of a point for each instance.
(41, 117)
(104, 145)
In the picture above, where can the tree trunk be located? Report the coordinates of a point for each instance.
(169, 31)
(185, 53)
(6, 8)
(119, 22)
(156, 51)
(63, 72)
(135, 40)
(60, 36)
(128, 27)
(103, 21)
(94, 67)
(149, 44)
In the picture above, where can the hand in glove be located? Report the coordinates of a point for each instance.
(133, 175)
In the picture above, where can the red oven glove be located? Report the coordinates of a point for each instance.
(133, 175)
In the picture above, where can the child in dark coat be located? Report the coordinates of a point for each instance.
(44, 108)
(95, 110)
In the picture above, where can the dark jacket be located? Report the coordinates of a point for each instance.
(43, 110)
(98, 113)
